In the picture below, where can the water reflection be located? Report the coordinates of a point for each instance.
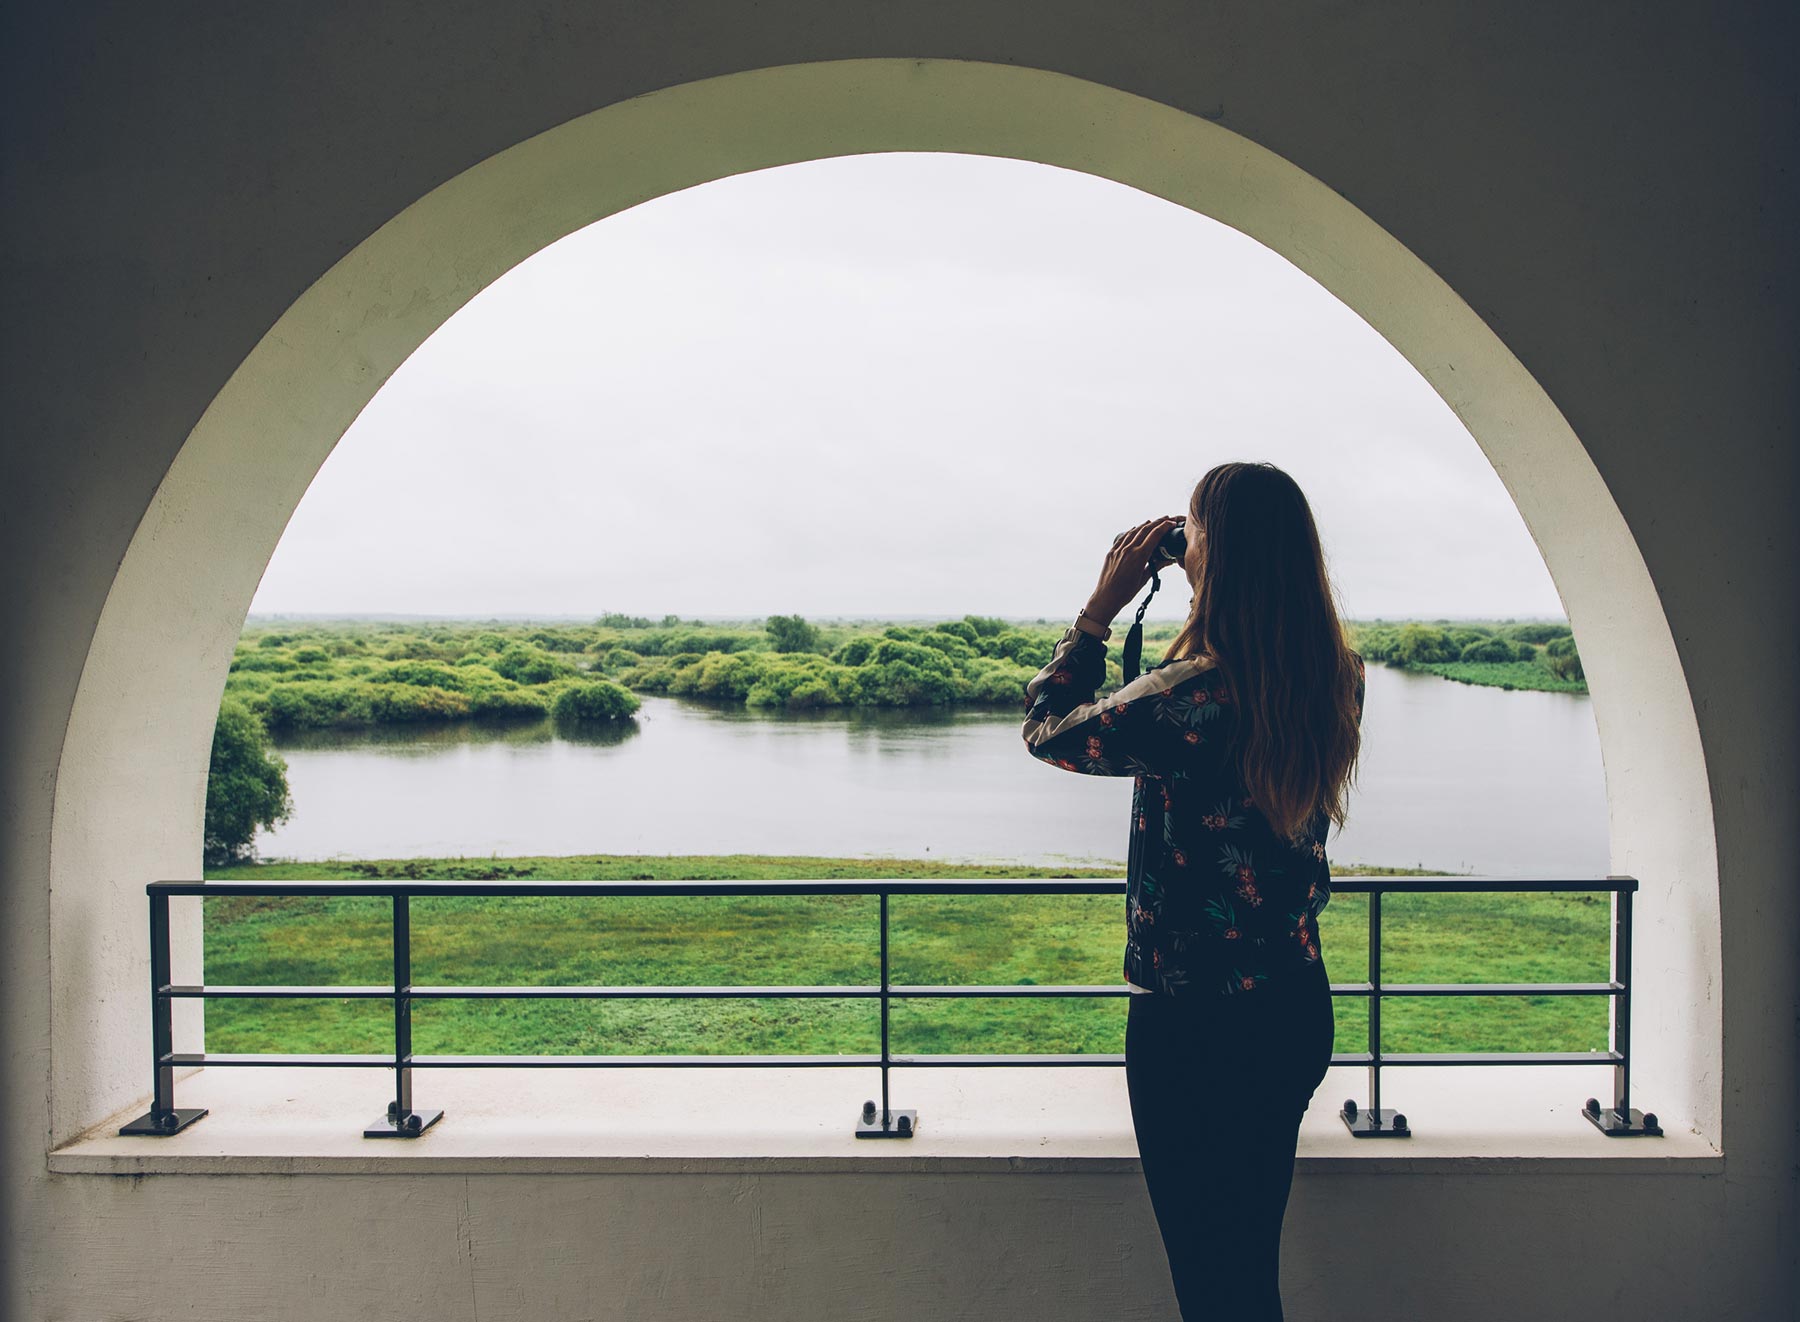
(596, 734)
(420, 737)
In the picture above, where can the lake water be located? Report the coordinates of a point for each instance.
(1453, 777)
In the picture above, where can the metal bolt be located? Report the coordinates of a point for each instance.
(1350, 1109)
(1399, 1121)
(868, 1113)
(1650, 1120)
(1593, 1106)
(414, 1124)
(905, 1125)
(166, 1120)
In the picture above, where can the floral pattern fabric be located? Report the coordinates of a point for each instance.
(1216, 903)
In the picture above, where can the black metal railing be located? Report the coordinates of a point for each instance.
(881, 1120)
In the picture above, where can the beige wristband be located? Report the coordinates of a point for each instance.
(1089, 625)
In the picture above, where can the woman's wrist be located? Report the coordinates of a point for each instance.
(1087, 620)
(1100, 611)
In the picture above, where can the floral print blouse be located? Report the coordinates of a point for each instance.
(1216, 902)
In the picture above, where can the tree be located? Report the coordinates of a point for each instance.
(791, 633)
(246, 784)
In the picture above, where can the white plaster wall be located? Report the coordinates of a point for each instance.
(853, 1248)
(171, 191)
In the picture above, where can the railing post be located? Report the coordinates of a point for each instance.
(1374, 1122)
(162, 1119)
(401, 1121)
(1621, 1121)
(888, 1123)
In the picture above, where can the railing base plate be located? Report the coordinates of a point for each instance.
(1633, 1124)
(389, 1127)
(145, 1125)
(1384, 1123)
(901, 1124)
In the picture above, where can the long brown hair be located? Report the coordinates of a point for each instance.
(1264, 612)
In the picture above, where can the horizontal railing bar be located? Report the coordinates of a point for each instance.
(960, 886)
(979, 990)
(642, 1062)
(653, 991)
(1489, 1058)
(1502, 1058)
(1029, 1058)
(268, 1058)
(220, 991)
(871, 887)
(518, 1062)
(1500, 989)
(923, 991)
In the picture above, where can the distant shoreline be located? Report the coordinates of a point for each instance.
(679, 867)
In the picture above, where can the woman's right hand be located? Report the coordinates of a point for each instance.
(1127, 567)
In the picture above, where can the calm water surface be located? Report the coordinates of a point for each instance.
(1454, 777)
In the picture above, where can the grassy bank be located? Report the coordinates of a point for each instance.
(1504, 675)
(831, 940)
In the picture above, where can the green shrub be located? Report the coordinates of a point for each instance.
(1527, 652)
(594, 701)
(856, 652)
(424, 674)
(561, 640)
(948, 643)
(998, 682)
(889, 651)
(255, 661)
(318, 704)
(903, 684)
(409, 649)
(1421, 644)
(716, 675)
(1536, 633)
(809, 694)
(508, 701)
(407, 702)
(524, 664)
(1562, 658)
(960, 629)
(1014, 645)
(1489, 649)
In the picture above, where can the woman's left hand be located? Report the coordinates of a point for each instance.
(1127, 567)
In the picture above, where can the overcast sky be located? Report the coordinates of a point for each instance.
(886, 385)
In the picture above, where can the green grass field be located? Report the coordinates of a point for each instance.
(527, 941)
(1530, 675)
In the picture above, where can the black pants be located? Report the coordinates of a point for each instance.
(1218, 1086)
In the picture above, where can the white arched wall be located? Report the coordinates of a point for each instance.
(131, 784)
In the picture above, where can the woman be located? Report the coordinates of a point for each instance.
(1241, 745)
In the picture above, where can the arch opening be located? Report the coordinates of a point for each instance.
(134, 761)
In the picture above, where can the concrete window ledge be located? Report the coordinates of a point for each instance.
(309, 1121)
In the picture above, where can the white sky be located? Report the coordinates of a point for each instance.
(886, 385)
